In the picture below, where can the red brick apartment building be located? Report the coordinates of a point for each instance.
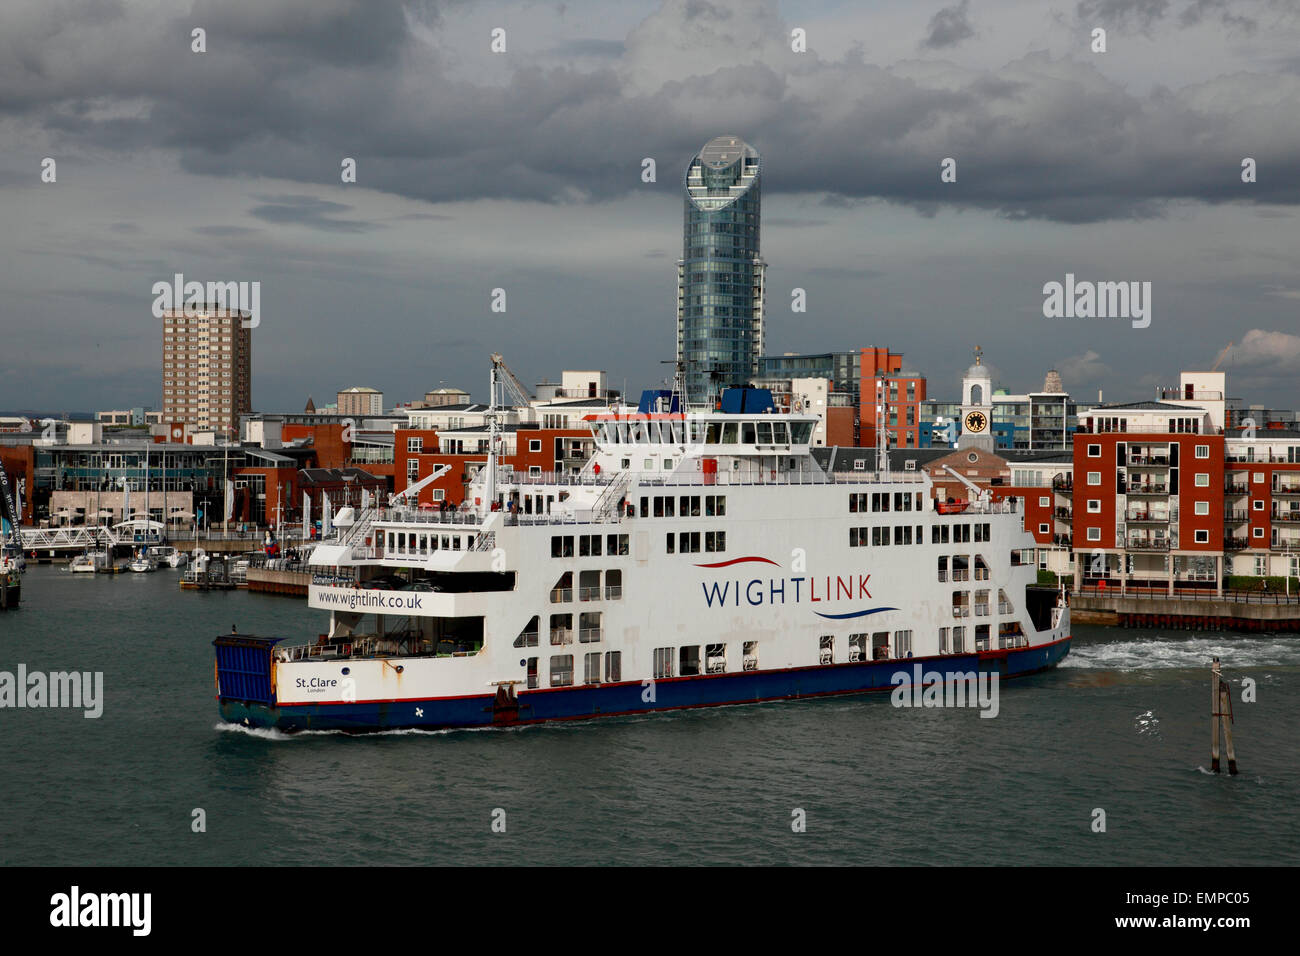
(526, 447)
(1148, 496)
(905, 392)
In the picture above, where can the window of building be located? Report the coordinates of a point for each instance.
(1044, 502)
(1094, 451)
(1202, 451)
(1203, 537)
(1258, 504)
(1094, 506)
(1202, 480)
(534, 444)
(1094, 477)
(1258, 533)
(1094, 534)
(1202, 507)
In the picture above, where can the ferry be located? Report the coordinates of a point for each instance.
(699, 558)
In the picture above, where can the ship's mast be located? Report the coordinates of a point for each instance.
(490, 493)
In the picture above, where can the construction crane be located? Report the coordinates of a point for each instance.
(518, 393)
(1222, 355)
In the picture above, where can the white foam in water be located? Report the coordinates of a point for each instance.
(1181, 652)
(271, 733)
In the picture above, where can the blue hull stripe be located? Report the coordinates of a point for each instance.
(575, 703)
(841, 617)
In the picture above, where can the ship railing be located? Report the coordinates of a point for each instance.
(981, 610)
(1005, 608)
(589, 594)
(960, 611)
(561, 595)
(561, 635)
(416, 516)
(613, 592)
(943, 575)
(590, 635)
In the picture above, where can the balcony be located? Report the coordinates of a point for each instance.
(561, 635)
(1150, 488)
(1148, 544)
(1142, 516)
(1286, 487)
(1148, 461)
(1235, 544)
(1285, 515)
(1065, 485)
(1236, 487)
(1063, 514)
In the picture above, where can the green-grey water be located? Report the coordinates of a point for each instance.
(1123, 726)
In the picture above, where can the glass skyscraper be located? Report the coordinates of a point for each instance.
(720, 290)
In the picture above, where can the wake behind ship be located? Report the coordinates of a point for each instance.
(698, 559)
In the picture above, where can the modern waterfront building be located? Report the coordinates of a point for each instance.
(720, 278)
(207, 367)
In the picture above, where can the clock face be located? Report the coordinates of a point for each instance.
(975, 422)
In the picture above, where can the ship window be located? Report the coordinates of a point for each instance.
(959, 640)
(528, 636)
(613, 666)
(715, 658)
(826, 649)
(561, 670)
(591, 668)
(690, 661)
(715, 541)
(616, 544)
(714, 433)
(781, 434)
(943, 640)
(670, 542)
(903, 643)
(747, 433)
(765, 433)
(880, 645)
(729, 433)
(751, 655)
(663, 662)
(857, 647)
(532, 673)
(659, 506)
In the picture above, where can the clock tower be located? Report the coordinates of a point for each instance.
(976, 421)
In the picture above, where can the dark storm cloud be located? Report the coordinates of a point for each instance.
(307, 211)
(948, 27)
(289, 89)
(1143, 13)
(223, 232)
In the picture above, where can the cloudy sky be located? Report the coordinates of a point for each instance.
(522, 170)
